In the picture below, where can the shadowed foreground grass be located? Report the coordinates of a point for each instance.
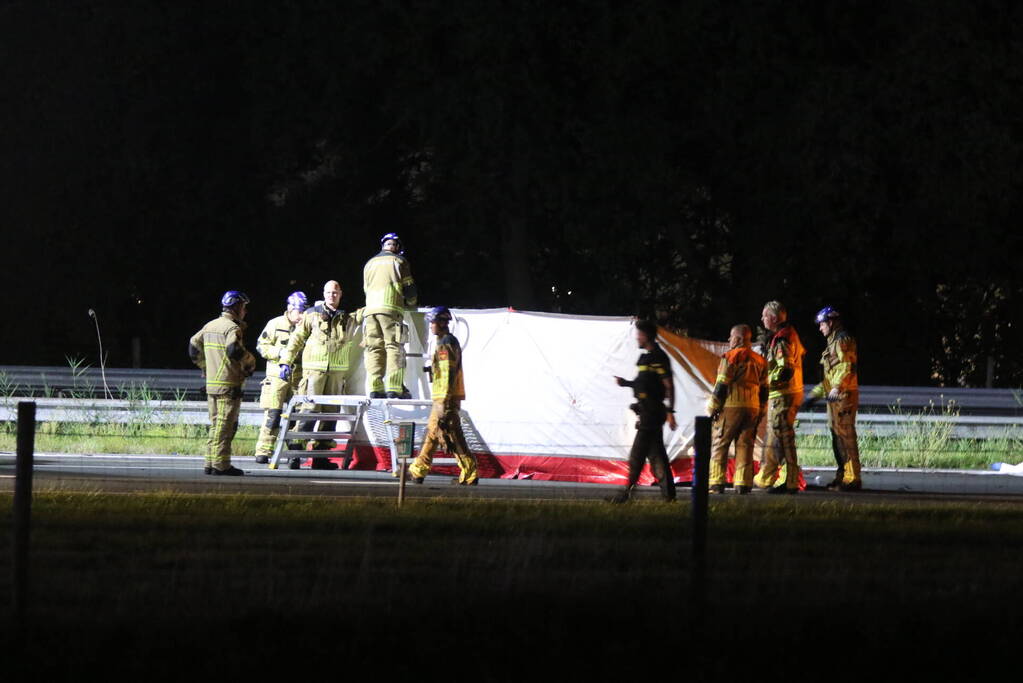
(169, 585)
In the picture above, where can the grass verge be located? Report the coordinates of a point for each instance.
(165, 585)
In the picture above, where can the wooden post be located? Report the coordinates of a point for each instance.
(701, 472)
(23, 507)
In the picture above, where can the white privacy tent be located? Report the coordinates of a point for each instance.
(541, 401)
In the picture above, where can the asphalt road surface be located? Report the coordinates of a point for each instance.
(136, 473)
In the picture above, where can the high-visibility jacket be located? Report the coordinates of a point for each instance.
(388, 284)
(839, 365)
(446, 368)
(785, 362)
(273, 342)
(741, 380)
(324, 338)
(219, 349)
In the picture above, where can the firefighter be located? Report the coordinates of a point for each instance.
(390, 291)
(655, 402)
(840, 388)
(447, 389)
(275, 391)
(737, 403)
(784, 353)
(219, 351)
(323, 340)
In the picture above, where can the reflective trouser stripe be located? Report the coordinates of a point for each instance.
(736, 425)
(274, 394)
(842, 421)
(780, 443)
(223, 425)
(444, 429)
(385, 354)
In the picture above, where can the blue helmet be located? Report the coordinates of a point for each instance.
(232, 298)
(439, 314)
(392, 236)
(825, 314)
(297, 301)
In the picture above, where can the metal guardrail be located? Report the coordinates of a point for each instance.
(101, 411)
(66, 382)
(195, 412)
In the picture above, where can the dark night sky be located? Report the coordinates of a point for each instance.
(686, 160)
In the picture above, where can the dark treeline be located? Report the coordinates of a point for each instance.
(684, 160)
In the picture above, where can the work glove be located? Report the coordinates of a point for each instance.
(834, 396)
(285, 373)
(809, 401)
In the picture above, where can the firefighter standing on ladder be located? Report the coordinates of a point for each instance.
(390, 291)
(448, 391)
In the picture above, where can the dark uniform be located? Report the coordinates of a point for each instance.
(648, 388)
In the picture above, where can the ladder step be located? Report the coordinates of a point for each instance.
(311, 454)
(318, 435)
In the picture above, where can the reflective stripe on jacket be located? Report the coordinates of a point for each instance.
(324, 339)
(388, 284)
(448, 381)
(838, 363)
(741, 380)
(272, 343)
(785, 362)
(212, 343)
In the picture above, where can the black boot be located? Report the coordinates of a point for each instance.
(323, 464)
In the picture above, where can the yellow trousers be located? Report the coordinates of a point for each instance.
(842, 421)
(780, 447)
(385, 353)
(224, 409)
(444, 428)
(738, 426)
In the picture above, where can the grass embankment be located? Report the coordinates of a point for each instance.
(171, 585)
(113, 437)
(927, 446)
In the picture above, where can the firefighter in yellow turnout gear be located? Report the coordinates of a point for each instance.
(390, 291)
(840, 388)
(323, 339)
(219, 351)
(737, 403)
(784, 353)
(448, 390)
(276, 392)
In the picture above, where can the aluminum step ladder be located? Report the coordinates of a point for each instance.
(415, 411)
(299, 410)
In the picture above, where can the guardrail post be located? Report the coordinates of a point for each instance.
(23, 507)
